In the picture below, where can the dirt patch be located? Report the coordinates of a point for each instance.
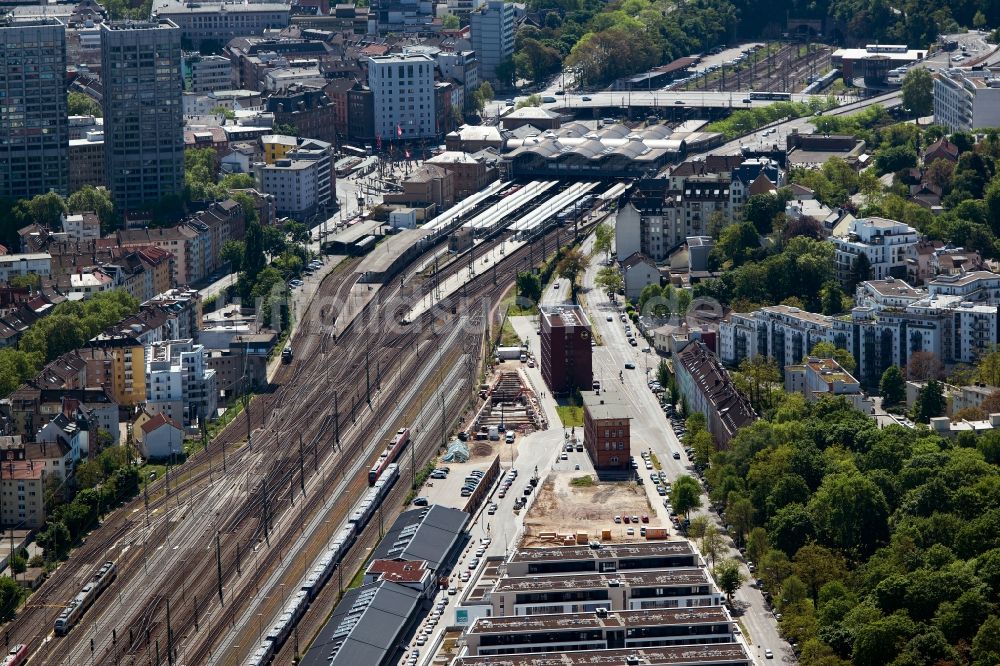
(481, 450)
(561, 508)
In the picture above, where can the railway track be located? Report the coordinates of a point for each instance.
(273, 464)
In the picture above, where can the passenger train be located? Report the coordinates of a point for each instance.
(324, 567)
(85, 598)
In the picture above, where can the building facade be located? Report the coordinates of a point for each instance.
(492, 28)
(143, 116)
(403, 96)
(179, 383)
(218, 22)
(566, 348)
(886, 243)
(966, 99)
(301, 180)
(606, 429)
(34, 124)
(784, 333)
(206, 73)
(708, 389)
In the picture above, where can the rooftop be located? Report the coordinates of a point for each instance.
(565, 315)
(893, 287)
(651, 617)
(798, 313)
(605, 552)
(829, 370)
(679, 577)
(425, 534)
(715, 654)
(607, 404)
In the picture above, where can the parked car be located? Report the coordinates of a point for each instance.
(420, 501)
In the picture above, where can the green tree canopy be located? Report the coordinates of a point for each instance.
(918, 87)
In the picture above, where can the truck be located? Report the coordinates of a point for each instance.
(494, 433)
(656, 533)
(509, 353)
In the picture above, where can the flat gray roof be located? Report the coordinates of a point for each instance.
(651, 617)
(716, 654)
(608, 404)
(605, 552)
(679, 577)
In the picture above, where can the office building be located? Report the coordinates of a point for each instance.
(402, 96)
(86, 161)
(607, 558)
(207, 73)
(34, 124)
(566, 348)
(492, 28)
(218, 22)
(143, 118)
(967, 99)
(606, 429)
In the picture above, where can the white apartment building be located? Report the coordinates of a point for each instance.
(81, 226)
(206, 73)
(402, 88)
(179, 383)
(492, 28)
(221, 21)
(820, 377)
(302, 181)
(966, 99)
(31, 263)
(886, 243)
(786, 334)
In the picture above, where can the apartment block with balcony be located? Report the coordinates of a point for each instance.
(886, 243)
(967, 99)
(786, 334)
(179, 383)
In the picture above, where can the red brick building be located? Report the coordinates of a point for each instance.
(606, 430)
(566, 348)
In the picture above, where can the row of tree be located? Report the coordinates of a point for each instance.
(878, 545)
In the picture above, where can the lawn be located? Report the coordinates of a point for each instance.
(508, 336)
(570, 415)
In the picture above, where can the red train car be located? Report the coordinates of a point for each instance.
(390, 454)
(17, 656)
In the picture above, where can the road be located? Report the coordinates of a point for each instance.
(650, 430)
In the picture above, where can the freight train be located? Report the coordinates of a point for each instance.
(324, 567)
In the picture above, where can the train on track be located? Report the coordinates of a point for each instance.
(85, 598)
(324, 566)
(390, 454)
(17, 656)
(776, 96)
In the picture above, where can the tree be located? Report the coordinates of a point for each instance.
(685, 494)
(739, 514)
(930, 402)
(29, 280)
(529, 287)
(228, 114)
(698, 527)
(850, 512)
(604, 236)
(757, 544)
(81, 104)
(231, 253)
(760, 210)
(485, 92)
(729, 577)
(450, 22)
(816, 566)
(702, 445)
(988, 367)
(892, 386)
(44, 209)
(738, 242)
(570, 267)
(790, 528)
(10, 597)
(713, 543)
(505, 73)
(288, 129)
(832, 298)
(986, 644)
(93, 199)
(610, 279)
(918, 85)
(530, 100)
(253, 253)
(759, 376)
(827, 349)
(895, 158)
(861, 270)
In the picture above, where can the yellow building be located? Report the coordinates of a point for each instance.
(276, 146)
(117, 362)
